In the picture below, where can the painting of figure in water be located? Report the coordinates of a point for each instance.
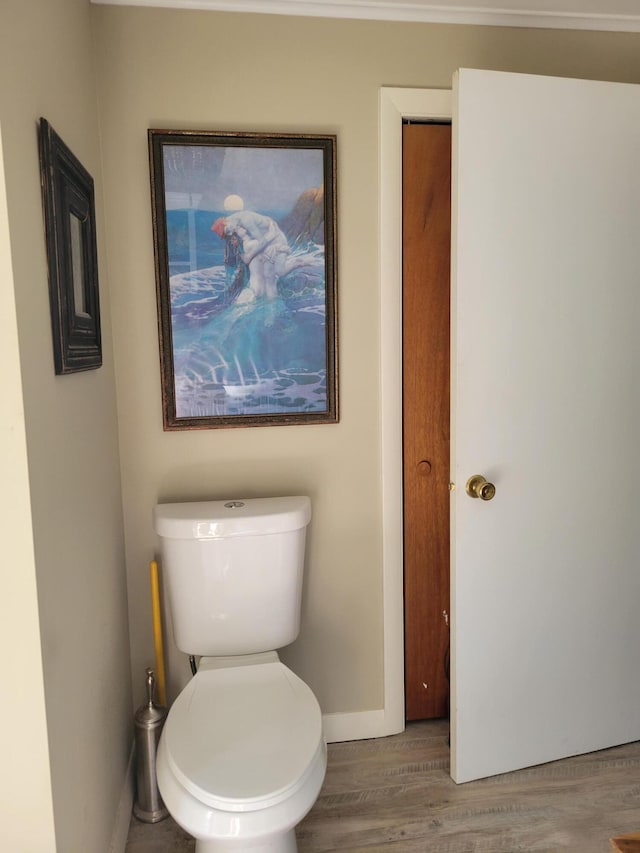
(245, 256)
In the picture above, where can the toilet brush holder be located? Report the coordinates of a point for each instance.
(149, 721)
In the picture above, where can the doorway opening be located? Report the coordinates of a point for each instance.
(395, 105)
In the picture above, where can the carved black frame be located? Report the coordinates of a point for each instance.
(70, 233)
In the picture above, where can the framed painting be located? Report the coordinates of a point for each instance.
(70, 234)
(245, 249)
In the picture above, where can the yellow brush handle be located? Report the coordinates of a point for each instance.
(157, 633)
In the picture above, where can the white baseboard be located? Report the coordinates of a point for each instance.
(358, 725)
(125, 807)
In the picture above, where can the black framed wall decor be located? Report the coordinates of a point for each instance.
(70, 233)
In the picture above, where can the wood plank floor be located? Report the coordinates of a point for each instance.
(394, 795)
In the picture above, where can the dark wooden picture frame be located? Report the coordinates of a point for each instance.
(70, 232)
(244, 228)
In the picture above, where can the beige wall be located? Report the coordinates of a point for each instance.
(67, 520)
(27, 785)
(206, 70)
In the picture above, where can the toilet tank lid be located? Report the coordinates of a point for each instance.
(233, 517)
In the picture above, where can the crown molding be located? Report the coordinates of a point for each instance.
(574, 14)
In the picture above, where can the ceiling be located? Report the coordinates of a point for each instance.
(614, 15)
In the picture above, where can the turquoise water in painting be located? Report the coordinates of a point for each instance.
(265, 356)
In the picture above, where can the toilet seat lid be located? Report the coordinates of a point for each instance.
(243, 738)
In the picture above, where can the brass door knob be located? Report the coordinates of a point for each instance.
(479, 487)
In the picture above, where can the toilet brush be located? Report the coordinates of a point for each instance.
(149, 721)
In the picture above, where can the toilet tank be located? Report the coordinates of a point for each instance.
(233, 572)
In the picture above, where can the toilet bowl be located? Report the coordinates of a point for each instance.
(242, 758)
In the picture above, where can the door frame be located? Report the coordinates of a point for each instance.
(395, 105)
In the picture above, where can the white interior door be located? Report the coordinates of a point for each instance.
(546, 405)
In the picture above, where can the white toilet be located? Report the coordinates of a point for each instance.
(241, 758)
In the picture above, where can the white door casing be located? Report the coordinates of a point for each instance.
(395, 105)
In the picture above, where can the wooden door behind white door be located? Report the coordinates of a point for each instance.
(426, 252)
(546, 405)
